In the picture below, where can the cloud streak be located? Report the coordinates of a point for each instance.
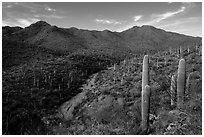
(160, 17)
(105, 21)
(157, 19)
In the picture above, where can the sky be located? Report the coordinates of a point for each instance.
(180, 17)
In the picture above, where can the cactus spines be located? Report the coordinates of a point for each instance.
(145, 72)
(145, 107)
(173, 90)
(181, 84)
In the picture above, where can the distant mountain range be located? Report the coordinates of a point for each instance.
(42, 37)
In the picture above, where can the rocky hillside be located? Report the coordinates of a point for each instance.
(110, 101)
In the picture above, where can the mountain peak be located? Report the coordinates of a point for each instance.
(135, 27)
(148, 27)
(40, 24)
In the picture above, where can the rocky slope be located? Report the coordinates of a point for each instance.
(110, 100)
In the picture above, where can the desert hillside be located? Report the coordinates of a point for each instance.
(110, 101)
(73, 81)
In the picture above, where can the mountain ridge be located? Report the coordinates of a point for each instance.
(41, 22)
(66, 41)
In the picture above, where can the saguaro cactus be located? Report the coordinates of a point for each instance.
(181, 83)
(34, 79)
(122, 80)
(157, 63)
(114, 67)
(145, 107)
(145, 72)
(181, 52)
(196, 47)
(200, 51)
(170, 50)
(124, 62)
(173, 90)
(165, 61)
(188, 83)
(145, 94)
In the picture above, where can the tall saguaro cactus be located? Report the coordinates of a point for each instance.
(200, 51)
(145, 107)
(157, 63)
(181, 52)
(170, 50)
(188, 50)
(145, 93)
(145, 72)
(181, 80)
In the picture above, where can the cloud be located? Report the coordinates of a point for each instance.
(181, 21)
(155, 19)
(25, 13)
(9, 6)
(5, 23)
(28, 5)
(54, 16)
(105, 21)
(19, 22)
(33, 7)
(160, 17)
(49, 9)
(26, 22)
(136, 18)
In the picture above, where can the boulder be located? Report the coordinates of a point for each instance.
(67, 108)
